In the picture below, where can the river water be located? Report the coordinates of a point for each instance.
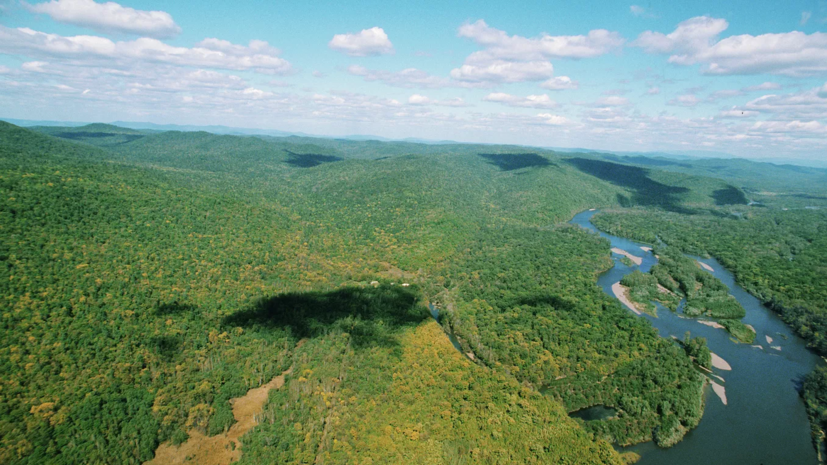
(764, 421)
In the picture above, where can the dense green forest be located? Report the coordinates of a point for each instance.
(149, 278)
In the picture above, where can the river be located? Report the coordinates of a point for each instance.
(764, 421)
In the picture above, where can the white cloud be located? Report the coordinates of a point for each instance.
(452, 102)
(807, 105)
(531, 101)
(407, 78)
(560, 83)
(736, 113)
(505, 58)
(368, 42)
(724, 94)
(209, 53)
(613, 101)
(34, 66)
(554, 120)
(762, 86)
(687, 100)
(318, 74)
(805, 16)
(421, 100)
(653, 91)
(417, 99)
(500, 46)
(109, 17)
(695, 41)
(504, 71)
(256, 93)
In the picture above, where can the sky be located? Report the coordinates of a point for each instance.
(747, 78)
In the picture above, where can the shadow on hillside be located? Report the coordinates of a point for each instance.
(370, 315)
(729, 195)
(309, 160)
(646, 190)
(173, 308)
(515, 161)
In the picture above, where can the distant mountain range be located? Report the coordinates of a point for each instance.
(218, 129)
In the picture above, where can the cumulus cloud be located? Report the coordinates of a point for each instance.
(417, 99)
(34, 66)
(504, 71)
(505, 58)
(368, 42)
(209, 53)
(653, 91)
(407, 78)
(736, 113)
(531, 101)
(109, 17)
(421, 100)
(695, 41)
(613, 101)
(553, 120)
(805, 16)
(498, 45)
(687, 100)
(762, 86)
(807, 105)
(560, 83)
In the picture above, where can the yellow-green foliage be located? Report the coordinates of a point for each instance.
(418, 402)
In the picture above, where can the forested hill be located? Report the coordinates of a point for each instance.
(147, 282)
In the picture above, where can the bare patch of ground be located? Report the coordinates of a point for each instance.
(225, 448)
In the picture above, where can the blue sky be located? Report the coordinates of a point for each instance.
(747, 78)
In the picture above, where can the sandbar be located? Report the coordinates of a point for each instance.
(645, 249)
(778, 348)
(713, 324)
(635, 259)
(757, 346)
(720, 391)
(705, 266)
(719, 363)
(621, 292)
(769, 339)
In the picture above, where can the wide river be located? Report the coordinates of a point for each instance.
(764, 421)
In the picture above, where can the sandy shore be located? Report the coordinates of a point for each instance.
(769, 339)
(705, 266)
(621, 292)
(646, 249)
(636, 260)
(711, 323)
(719, 363)
(720, 391)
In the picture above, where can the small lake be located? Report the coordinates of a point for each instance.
(764, 421)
